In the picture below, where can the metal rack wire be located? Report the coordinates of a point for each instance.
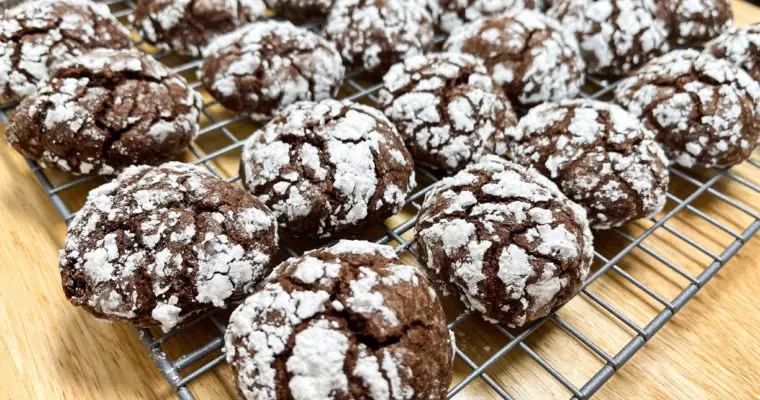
(720, 185)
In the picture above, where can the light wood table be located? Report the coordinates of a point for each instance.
(49, 349)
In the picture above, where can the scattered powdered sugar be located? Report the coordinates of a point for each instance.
(452, 14)
(695, 105)
(499, 232)
(740, 46)
(316, 364)
(531, 70)
(332, 173)
(158, 242)
(448, 109)
(697, 21)
(288, 63)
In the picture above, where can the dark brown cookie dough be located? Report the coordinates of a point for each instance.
(301, 10)
(158, 244)
(615, 36)
(104, 111)
(528, 53)
(346, 322)
(187, 26)
(505, 240)
(265, 66)
(693, 22)
(35, 34)
(448, 109)
(740, 46)
(375, 34)
(451, 14)
(704, 111)
(600, 155)
(328, 169)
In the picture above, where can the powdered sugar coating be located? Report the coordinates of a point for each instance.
(187, 26)
(740, 46)
(447, 107)
(35, 34)
(265, 66)
(160, 243)
(451, 14)
(105, 110)
(615, 36)
(375, 34)
(361, 326)
(328, 169)
(529, 54)
(697, 21)
(505, 240)
(600, 155)
(704, 111)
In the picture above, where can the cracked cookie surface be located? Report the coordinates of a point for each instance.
(600, 155)
(346, 322)
(531, 55)
(704, 111)
(301, 10)
(615, 36)
(265, 66)
(106, 110)
(448, 109)
(36, 34)
(504, 240)
(693, 22)
(451, 14)
(158, 244)
(328, 169)
(187, 26)
(375, 34)
(740, 46)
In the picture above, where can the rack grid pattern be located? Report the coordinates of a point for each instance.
(713, 183)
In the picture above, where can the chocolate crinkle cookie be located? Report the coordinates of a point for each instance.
(740, 46)
(265, 66)
(528, 53)
(158, 244)
(35, 34)
(451, 14)
(599, 155)
(375, 34)
(346, 322)
(693, 22)
(615, 36)
(187, 26)
(704, 111)
(505, 240)
(106, 110)
(328, 169)
(448, 109)
(301, 10)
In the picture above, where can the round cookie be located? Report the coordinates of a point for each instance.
(104, 111)
(375, 34)
(301, 10)
(451, 14)
(528, 53)
(35, 34)
(599, 155)
(187, 26)
(740, 46)
(504, 240)
(328, 169)
(346, 322)
(704, 111)
(615, 36)
(265, 66)
(158, 244)
(448, 109)
(694, 22)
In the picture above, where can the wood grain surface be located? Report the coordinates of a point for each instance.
(709, 350)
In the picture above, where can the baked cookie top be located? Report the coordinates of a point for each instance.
(157, 244)
(740, 46)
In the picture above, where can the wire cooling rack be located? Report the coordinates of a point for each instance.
(634, 290)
